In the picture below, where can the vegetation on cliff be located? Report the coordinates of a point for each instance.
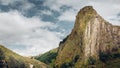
(93, 42)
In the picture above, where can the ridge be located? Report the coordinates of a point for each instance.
(91, 39)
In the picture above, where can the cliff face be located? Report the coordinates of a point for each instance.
(91, 37)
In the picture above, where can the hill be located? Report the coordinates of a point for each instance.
(9, 59)
(93, 43)
(48, 57)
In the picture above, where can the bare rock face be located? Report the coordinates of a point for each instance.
(91, 38)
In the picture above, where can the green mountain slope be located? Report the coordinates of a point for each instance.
(48, 57)
(10, 59)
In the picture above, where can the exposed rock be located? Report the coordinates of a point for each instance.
(90, 37)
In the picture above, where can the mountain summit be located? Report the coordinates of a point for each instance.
(93, 43)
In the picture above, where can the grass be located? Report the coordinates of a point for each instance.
(48, 57)
(15, 60)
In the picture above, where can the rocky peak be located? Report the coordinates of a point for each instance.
(90, 37)
(87, 10)
(84, 15)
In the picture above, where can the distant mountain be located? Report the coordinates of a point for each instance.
(48, 57)
(9, 59)
(93, 43)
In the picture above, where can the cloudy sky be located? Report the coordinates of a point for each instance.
(32, 27)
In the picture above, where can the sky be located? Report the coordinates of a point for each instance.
(32, 27)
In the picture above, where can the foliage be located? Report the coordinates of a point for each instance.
(64, 39)
(14, 60)
(67, 65)
(16, 63)
(2, 56)
(105, 57)
(76, 58)
(91, 60)
(48, 57)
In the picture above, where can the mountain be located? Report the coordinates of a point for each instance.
(48, 57)
(9, 59)
(93, 43)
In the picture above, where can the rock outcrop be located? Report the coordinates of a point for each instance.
(91, 42)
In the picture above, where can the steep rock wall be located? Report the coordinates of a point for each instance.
(90, 37)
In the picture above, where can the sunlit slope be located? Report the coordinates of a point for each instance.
(14, 60)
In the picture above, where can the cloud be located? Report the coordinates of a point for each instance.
(21, 5)
(46, 12)
(69, 15)
(115, 19)
(106, 8)
(26, 5)
(57, 4)
(30, 33)
(104, 1)
(7, 2)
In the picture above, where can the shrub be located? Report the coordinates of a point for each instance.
(91, 60)
(47, 58)
(2, 56)
(105, 57)
(76, 58)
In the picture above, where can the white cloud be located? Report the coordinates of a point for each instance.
(25, 4)
(28, 32)
(46, 12)
(57, 4)
(69, 15)
(115, 20)
(106, 8)
(6, 2)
